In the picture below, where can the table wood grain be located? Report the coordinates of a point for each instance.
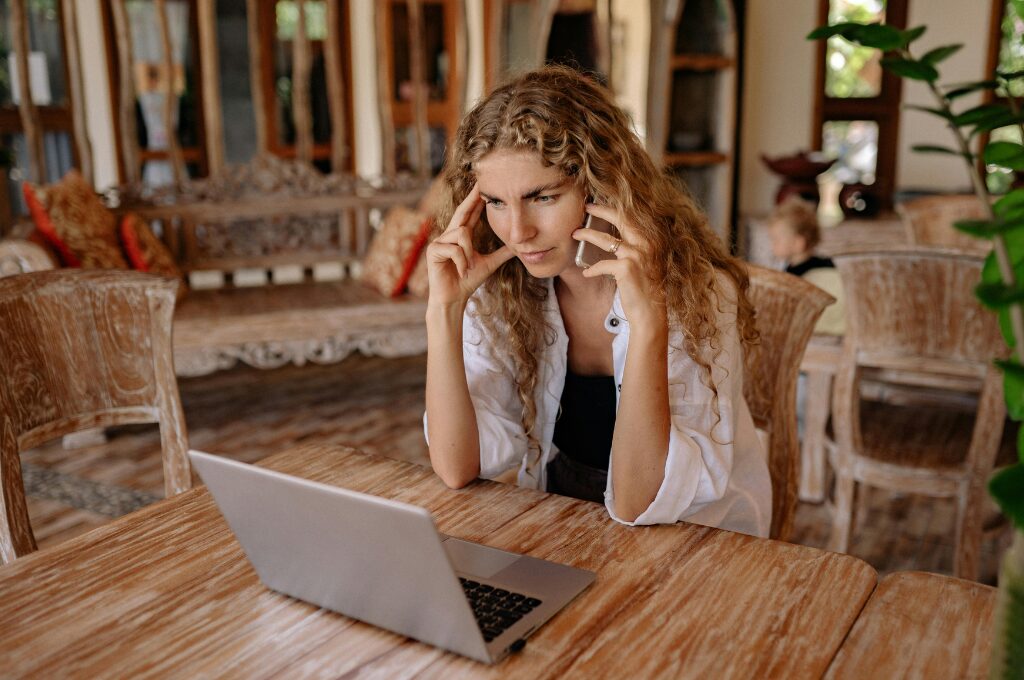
(920, 625)
(166, 591)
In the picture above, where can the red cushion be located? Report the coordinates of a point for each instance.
(45, 227)
(413, 257)
(145, 251)
(391, 256)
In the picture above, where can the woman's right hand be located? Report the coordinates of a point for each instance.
(454, 269)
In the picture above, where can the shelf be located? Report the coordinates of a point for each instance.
(702, 62)
(694, 158)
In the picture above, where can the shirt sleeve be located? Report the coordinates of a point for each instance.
(701, 439)
(496, 402)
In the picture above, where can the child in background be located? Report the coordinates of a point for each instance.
(794, 232)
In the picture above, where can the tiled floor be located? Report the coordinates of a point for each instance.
(377, 405)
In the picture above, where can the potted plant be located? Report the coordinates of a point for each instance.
(1002, 285)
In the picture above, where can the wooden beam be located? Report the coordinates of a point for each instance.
(76, 97)
(543, 15)
(126, 99)
(335, 87)
(496, 48)
(387, 121)
(170, 96)
(213, 118)
(461, 60)
(302, 115)
(417, 70)
(252, 14)
(26, 106)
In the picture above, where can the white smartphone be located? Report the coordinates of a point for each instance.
(587, 254)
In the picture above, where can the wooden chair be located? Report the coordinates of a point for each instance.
(83, 349)
(912, 317)
(787, 308)
(928, 221)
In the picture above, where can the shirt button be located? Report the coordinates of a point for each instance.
(613, 322)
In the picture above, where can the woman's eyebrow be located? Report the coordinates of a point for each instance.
(532, 193)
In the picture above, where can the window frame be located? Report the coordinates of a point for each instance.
(883, 109)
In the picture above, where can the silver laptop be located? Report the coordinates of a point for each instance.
(384, 562)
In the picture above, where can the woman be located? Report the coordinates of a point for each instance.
(621, 382)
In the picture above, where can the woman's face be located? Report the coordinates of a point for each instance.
(533, 209)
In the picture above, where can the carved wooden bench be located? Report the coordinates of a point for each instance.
(272, 275)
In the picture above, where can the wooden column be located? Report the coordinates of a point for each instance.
(27, 111)
(544, 14)
(252, 14)
(76, 97)
(336, 88)
(213, 119)
(461, 61)
(170, 96)
(301, 66)
(665, 16)
(387, 120)
(495, 47)
(126, 100)
(417, 70)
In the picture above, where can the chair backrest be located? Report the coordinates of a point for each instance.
(787, 308)
(928, 221)
(83, 349)
(911, 312)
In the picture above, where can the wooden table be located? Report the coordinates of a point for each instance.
(919, 625)
(166, 591)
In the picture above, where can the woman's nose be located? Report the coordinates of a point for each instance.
(522, 229)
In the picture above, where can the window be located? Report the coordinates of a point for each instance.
(277, 24)
(857, 108)
(149, 78)
(48, 77)
(439, 18)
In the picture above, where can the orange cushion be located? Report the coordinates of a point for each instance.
(395, 250)
(44, 227)
(418, 280)
(145, 251)
(85, 227)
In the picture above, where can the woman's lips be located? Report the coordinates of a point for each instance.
(534, 257)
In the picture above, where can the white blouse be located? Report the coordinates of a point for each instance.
(716, 472)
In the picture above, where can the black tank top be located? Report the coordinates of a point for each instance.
(585, 426)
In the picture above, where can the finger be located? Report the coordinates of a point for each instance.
(605, 242)
(609, 214)
(445, 252)
(492, 261)
(472, 201)
(465, 241)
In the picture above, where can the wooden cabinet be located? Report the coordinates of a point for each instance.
(692, 105)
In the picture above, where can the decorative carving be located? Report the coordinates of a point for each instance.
(268, 235)
(265, 177)
(386, 343)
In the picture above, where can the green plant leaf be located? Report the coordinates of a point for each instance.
(913, 34)
(1011, 202)
(967, 88)
(928, 148)
(939, 53)
(990, 274)
(1011, 75)
(882, 36)
(1005, 487)
(1006, 154)
(1013, 388)
(988, 228)
(841, 29)
(909, 68)
(996, 295)
(980, 114)
(941, 113)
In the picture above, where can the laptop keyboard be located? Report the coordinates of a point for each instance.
(496, 608)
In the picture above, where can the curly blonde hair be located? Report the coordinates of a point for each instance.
(574, 124)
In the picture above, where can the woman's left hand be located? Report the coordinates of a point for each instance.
(642, 299)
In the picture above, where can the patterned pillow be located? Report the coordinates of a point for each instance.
(45, 228)
(395, 250)
(418, 281)
(87, 230)
(146, 252)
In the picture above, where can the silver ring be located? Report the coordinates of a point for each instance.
(615, 247)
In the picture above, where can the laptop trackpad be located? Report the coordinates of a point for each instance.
(475, 559)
